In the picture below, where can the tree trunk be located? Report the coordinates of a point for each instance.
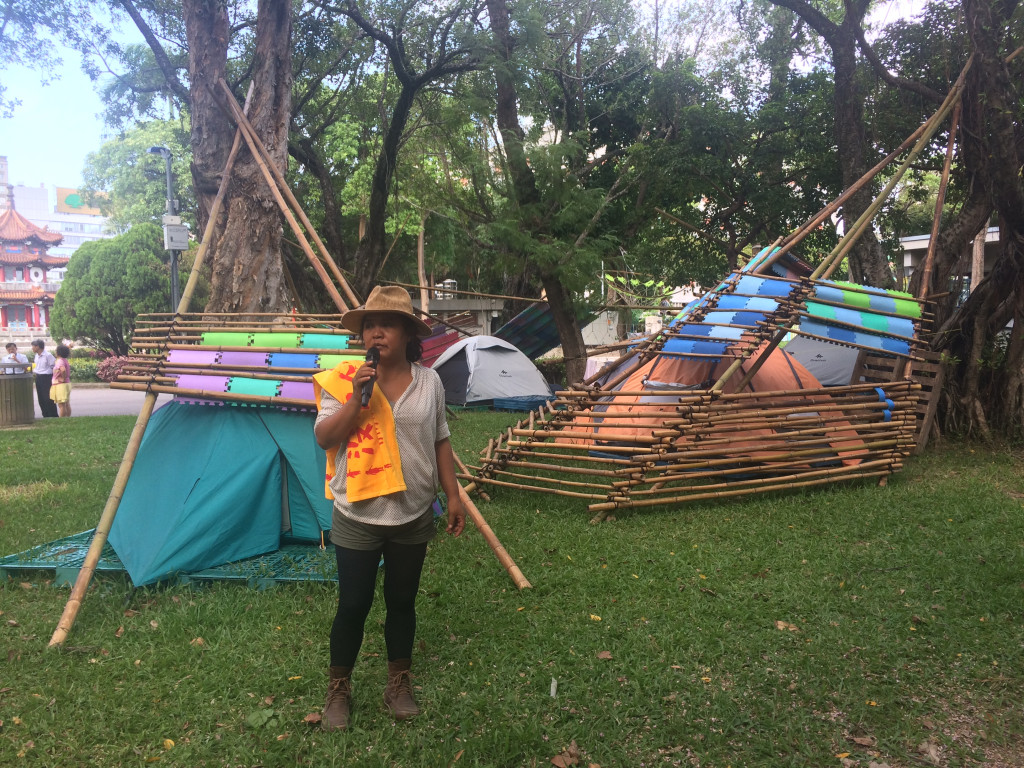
(867, 262)
(207, 30)
(421, 270)
(525, 190)
(987, 382)
(369, 255)
(248, 274)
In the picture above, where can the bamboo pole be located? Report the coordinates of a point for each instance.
(282, 184)
(832, 261)
(604, 509)
(253, 142)
(940, 200)
(204, 394)
(211, 222)
(503, 556)
(131, 451)
(521, 486)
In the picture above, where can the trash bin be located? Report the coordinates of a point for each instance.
(16, 399)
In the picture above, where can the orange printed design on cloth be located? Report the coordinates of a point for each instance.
(374, 465)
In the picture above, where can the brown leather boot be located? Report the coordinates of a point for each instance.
(338, 707)
(398, 694)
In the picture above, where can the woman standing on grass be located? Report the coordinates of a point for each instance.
(387, 449)
(60, 388)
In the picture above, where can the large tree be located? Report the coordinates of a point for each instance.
(246, 255)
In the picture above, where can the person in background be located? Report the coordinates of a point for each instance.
(43, 367)
(60, 389)
(13, 361)
(383, 427)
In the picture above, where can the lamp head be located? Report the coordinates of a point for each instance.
(159, 151)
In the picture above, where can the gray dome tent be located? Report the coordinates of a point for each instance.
(479, 369)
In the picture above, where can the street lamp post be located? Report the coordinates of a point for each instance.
(175, 233)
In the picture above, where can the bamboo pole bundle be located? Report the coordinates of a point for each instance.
(550, 480)
(546, 455)
(242, 371)
(525, 487)
(195, 332)
(269, 350)
(280, 189)
(783, 484)
(228, 315)
(205, 394)
(757, 482)
(171, 373)
(727, 465)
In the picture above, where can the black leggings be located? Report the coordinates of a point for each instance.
(357, 579)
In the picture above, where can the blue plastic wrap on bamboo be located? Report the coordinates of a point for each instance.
(749, 285)
(842, 335)
(695, 347)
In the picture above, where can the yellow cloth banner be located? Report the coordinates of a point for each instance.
(374, 465)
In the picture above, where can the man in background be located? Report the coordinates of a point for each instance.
(44, 378)
(13, 361)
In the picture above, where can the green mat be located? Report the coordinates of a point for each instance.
(291, 563)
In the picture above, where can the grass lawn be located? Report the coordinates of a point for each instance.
(849, 626)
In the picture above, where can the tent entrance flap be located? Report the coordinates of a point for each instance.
(215, 484)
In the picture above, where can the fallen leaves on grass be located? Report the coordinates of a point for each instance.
(929, 750)
(604, 654)
(785, 625)
(570, 756)
(312, 718)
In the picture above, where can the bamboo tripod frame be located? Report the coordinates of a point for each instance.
(709, 443)
(160, 331)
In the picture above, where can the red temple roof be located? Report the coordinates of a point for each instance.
(15, 228)
(15, 258)
(34, 293)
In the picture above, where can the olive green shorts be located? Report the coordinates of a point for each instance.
(351, 534)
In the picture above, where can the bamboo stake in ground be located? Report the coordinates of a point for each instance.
(492, 540)
(99, 539)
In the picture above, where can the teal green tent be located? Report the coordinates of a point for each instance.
(213, 484)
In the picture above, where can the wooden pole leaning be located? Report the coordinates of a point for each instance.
(500, 552)
(99, 539)
(929, 259)
(293, 201)
(254, 143)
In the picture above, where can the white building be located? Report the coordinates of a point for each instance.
(59, 209)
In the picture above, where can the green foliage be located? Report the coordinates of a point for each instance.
(129, 183)
(108, 283)
(28, 31)
(83, 369)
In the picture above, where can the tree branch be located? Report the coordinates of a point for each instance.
(168, 69)
(880, 69)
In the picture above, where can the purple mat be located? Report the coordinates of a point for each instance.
(297, 390)
(192, 357)
(207, 383)
(251, 359)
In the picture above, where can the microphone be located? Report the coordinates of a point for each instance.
(372, 357)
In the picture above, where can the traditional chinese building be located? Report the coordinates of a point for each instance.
(25, 295)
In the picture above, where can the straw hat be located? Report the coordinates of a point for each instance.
(385, 298)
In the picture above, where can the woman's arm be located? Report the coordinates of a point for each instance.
(450, 484)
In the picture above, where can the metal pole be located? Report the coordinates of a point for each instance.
(170, 212)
